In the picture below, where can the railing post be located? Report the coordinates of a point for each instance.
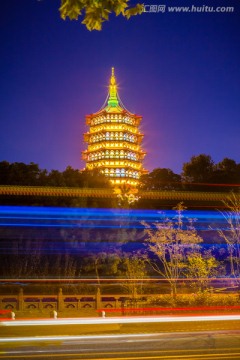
(60, 300)
(40, 306)
(20, 300)
(98, 299)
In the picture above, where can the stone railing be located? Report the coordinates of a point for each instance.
(92, 304)
(61, 302)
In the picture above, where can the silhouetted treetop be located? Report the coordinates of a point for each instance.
(30, 175)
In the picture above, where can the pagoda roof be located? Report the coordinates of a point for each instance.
(113, 103)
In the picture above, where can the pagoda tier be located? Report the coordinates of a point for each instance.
(114, 141)
(104, 135)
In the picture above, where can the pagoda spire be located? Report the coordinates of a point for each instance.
(113, 96)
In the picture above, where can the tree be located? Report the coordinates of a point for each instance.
(227, 172)
(94, 179)
(101, 263)
(199, 169)
(4, 172)
(55, 178)
(161, 179)
(227, 165)
(133, 268)
(23, 258)
(95, 12)
(19, 173)
(170, 240)
(72, 177)
(231, 233)
(200, 268)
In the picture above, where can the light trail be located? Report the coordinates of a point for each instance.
(16, 216)
(77, 280)
(53, 213)
(166, 343)
(195, 308)
(148, 357)
(118, 320)
(77, 337)
(128, 355)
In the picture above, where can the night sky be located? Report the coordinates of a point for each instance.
(181, 72)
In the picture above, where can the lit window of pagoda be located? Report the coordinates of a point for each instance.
(114, 141)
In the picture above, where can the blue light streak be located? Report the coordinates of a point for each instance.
(82, 229)
(41, 214)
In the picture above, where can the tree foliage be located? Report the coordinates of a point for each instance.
(19, 173)
(199, 169)
(101, 264)
(231, 233)
(201, 173)
(161, 179)
(133, 269)
(171, 241)
(201, 267)
(227, 171)
(95, 12)
(31, 175)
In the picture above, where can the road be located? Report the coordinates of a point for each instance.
(217, 339)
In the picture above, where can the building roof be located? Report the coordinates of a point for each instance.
(113, 103)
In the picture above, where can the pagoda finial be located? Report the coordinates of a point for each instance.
(113, 99)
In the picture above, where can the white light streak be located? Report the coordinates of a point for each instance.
(69, 337)
(118, 320)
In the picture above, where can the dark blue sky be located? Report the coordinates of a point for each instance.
(181, 72)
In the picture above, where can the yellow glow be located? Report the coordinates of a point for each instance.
(110, 127)
(114, 141)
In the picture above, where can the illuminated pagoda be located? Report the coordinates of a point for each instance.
(114, 140)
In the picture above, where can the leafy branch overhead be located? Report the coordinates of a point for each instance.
(95, 12)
